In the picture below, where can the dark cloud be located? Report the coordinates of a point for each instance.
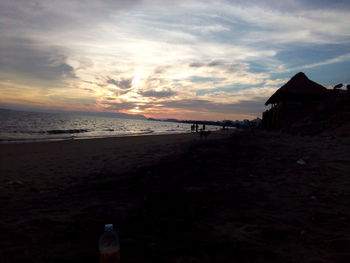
(216, 63)
(221, 64)
(161, 69)
(84, 63)
(20, 9)
(119, 92)
(20, 55)
(27, 8)
(158, 94)
(197, 65)
(254, 107)
(66, 70)
(88, 89)
(293, 5)
(122, 83)
(42, 18)
(235, 67)
(213, 63)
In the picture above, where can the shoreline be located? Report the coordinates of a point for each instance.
(35, 140)
(27, 162)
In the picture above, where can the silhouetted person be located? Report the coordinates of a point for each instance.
(192, 128)
(203, 127)
(196, 127)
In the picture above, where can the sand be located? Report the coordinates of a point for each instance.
(241, 197)
(55, 164)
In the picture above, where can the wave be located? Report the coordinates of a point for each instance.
(61, 136)
(34, 139)
(70, 131)
(146, 132)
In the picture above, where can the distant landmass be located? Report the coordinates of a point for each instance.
(236, 123)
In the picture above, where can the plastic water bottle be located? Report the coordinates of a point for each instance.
(109, 246)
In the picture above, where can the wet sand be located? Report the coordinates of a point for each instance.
(242, 197)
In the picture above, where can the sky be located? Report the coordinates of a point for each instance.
(184, 59)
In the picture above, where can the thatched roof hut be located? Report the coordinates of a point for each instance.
(298, 88)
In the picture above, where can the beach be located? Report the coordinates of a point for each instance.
(243, 196)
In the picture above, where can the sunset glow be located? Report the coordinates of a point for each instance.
(185, 59)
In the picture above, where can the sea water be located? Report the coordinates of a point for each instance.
(19, 126)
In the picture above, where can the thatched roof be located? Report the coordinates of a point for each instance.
(298, 88)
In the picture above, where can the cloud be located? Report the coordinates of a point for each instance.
(274, 82)
(133, 52)
(24, 9)
(122, 83)
(34, 59)
(302, 26)
(200, 107)
(251, 107)
(158, 94)
(28, 95)
(196, 65)
(161, 69)
(223, 64)
(341, 58)
(84, 63)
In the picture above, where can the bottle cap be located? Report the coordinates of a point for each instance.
(108, 227)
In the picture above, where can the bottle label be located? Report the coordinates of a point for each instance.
(110, 257)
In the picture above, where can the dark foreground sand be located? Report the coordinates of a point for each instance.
(243, 197)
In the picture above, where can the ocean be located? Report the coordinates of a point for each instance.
(24, 126)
